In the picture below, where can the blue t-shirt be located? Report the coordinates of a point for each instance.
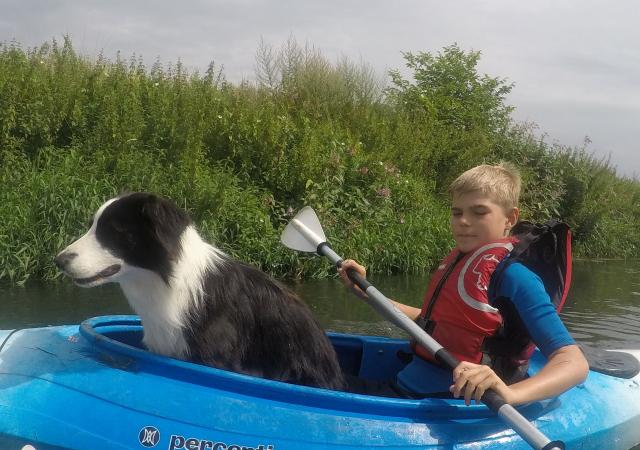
(526, 291)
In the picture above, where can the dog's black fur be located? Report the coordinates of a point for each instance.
(265, 331)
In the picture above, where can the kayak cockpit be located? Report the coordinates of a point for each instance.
(367, 357)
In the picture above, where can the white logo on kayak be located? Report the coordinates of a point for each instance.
(149, 436)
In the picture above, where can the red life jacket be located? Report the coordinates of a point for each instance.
(461, 310)
(456, 311)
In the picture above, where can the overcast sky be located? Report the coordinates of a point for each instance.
(575, 63)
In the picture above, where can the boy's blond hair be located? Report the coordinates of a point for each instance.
(501, 183)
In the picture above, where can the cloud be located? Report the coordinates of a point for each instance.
(574, 63)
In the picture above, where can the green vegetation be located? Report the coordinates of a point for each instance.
(373, 161)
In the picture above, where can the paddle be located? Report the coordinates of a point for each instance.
(304, 233)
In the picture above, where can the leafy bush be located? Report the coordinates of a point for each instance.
(242, 158)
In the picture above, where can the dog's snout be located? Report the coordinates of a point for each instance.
(63, 259)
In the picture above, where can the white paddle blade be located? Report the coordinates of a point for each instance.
(304, 232)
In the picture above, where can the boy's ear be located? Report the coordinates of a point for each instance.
(512, 217)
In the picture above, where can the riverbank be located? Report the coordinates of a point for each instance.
(373, 157)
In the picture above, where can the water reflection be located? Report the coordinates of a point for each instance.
(602, 309)
(41, 304)
(604, 304)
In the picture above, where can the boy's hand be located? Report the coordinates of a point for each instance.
(473, 380)
(342, 271)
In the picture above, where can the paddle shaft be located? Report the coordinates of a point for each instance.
(492, 399)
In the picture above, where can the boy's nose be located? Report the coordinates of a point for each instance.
(462, 220)
(63, 259)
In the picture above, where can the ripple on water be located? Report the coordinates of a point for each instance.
(619, 328)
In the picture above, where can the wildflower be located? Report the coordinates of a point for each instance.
(384, 192)
(391, 169)
(290, 211)
(156, 84)
(219, 116)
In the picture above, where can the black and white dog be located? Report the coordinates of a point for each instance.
(195, 302)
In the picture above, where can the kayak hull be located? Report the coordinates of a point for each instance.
(94, 386)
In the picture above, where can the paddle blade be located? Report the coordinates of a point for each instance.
(304, 232)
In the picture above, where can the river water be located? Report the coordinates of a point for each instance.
(602, 310)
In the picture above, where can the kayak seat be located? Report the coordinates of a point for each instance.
(615, 363)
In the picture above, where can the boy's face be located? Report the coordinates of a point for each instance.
(477, 220)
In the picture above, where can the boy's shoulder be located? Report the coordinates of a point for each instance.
(517, 271)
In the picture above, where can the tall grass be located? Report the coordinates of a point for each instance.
(374, 161)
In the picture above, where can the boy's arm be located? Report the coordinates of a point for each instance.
(565, 368)
(410, 311)
(566, 365)
(347, 264)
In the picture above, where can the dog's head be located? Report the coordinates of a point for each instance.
(128, 233)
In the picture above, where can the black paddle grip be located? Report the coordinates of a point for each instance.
(554, 445)
(490, 398)
(493, 400)
(358, 279)
(446, 358)
(354, 276)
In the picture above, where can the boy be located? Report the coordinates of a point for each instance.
(483, 211)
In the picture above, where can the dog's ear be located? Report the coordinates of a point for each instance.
(167, 222)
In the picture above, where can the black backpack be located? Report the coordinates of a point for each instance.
(545, 249)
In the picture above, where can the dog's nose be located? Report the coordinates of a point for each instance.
(63, 259)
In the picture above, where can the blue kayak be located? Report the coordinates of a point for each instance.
(94, 386)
